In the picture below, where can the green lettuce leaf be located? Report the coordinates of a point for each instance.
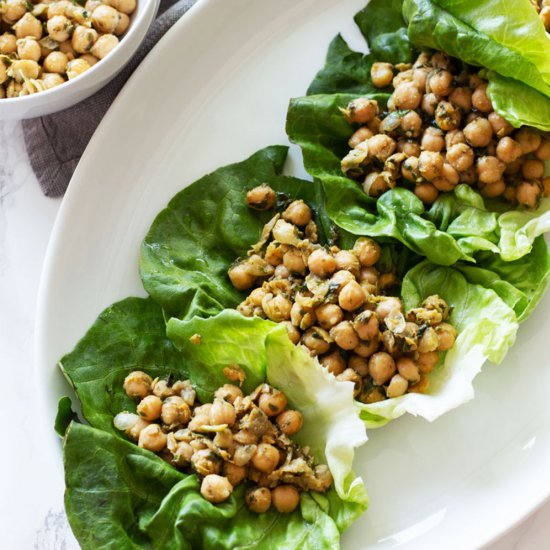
(205, 227)
(262, 349)
(119, 496)
(486, 327)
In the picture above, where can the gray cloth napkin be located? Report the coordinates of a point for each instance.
(56, 142)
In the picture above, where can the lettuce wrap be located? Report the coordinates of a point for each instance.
(121, 496)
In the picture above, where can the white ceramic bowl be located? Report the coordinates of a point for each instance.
(66, 95)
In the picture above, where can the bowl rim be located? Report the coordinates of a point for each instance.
(141, 20)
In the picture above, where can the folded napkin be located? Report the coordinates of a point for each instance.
(56, 142)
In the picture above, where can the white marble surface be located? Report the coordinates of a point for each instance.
(31, 483)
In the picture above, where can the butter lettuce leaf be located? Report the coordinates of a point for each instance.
(332, 428)
(486, 328)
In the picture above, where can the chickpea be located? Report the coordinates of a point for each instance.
(277, 308)
(411, 124)
(352, 296)
(176, 411)
(205, 462)
(347, 261)
(359, 364)
(328, 315)
(261, 198)
(462, 98)
(285, 498)
(460, 157)
(543, 152)
(294, 261)
(454, 137)
(234, 474)
(123, 24)
(447, 116)
(321, 263)
(298, 213)
(258, 500)
(427, 193)
(361, 110)
(474, 80)
(406, 96)
(529, 140)
(290, 422)
(489, 169)
(266, 458)
(59, 28)
(375, 184)
(105, 19)
(136, 429)
(381, 367)
(533, 169)
(124, 6)
(83, 39)
(51, 80)
(215, 488)
(302, 317)
(366, 349)
(76, 67)
(334, 363)
(13, 10)
(432, 140)
(430, 164)
(104, 45)
(317, 340)
(409, 147)
(510, 194)
(29, 48)
(508, 150)
(62, 7)
(360, 135)
(440, 82)
(441, 60)
(275, 252)
(381, 74)
(340, 279)
(427, 361)
(545, 17)
(152, 438)
(397, 386)
(273, 403)
(56, 62)
(447, 336)
(492, 190)
(408, 369)
(8, 43)
(229, 393)
(349, 375)
(478, 133)
(480, 101)
(428, 341)
(420, 76)
(137, 384)
(149, 408)
(373, 395)
(344, 335)
(366, 325)
(381, 147)
(528, 194)
(410, 171)
(429, 103)
(367, 251)
(387, 306)
(67, 48)
(239, 276)
(501, 127)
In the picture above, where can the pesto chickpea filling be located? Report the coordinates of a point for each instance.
(440, 130)
(45, 43)
(235, 439)
(338, 306)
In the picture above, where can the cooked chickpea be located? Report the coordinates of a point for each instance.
(28, 25)
(440, 82)
(480, 101)
(234, 474)
(222, 412)
(137, 384)
(321, 263)
(277, 308)
(359, 364)
(462, 97)
(408, 369)
(411, 124)
(529, 140)
(489, 169)
(13, 10)
(3, 72)
(430, 164)
(344, 335)
(229, 393)
(508, 150)
(543, 152)
(429, 103)
(273, 403)
(124, 6)
(544, 16)
(381, 147)
(261, 198)
(149, 408)
(381, 74)
(366, 325)
(29, 48)
(426, 192)
(83, 39)
(67, 48)
(460, 157)
(533, 169)
(76, 67)
(134, 431)
(432, 140)
(240, 278)
(123, 24)
(426, 362)
(447, 116)
(59, 28)
(333, 362)
(454, 137)
(492, 190)
(528, 194)
(387, 306)
(8, 43)
(290, 422)
(347, 261)
(360, 135)
(447, 336)
(104, 45)
(340, 279)
(329, 315)
(361, 110)
(298, 213)
(56, 62)
(349, 375)
(367, 251)
(375, 184)
(215, 488)
(258, 500)
(428, 341)
(266, 458)
(152, 438)
(352, 296)
(381, 367)
(406, 96)
(51, 80)
(409, 147)
(205, 462)
(105, 19)
(478, 133)
(285, 498)
(294, 261)
(317, 340)
(176, 411)
(501, 127)
(397, 386)
(366, 349)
